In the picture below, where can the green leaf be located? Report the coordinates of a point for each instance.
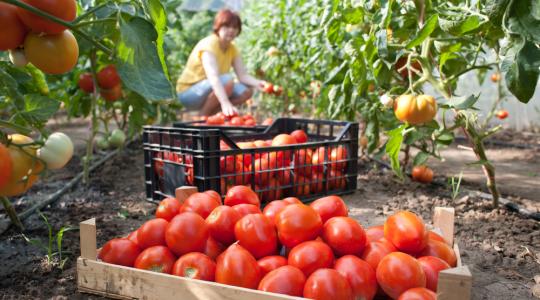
(523, 18)
(522, 69)
(159, 17)
(353, 15)
(427, 29)
(495, 9)
(8, 86)
(334, 33)
(37, 109)
(372, 133)
(393, 147)
(386, 10)
(460, 26)
(337, 74)
(138, 61)
(420, 158)
(382, 43)
(462, 102)
(446, 138)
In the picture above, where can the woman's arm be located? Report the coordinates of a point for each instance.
(243, 75)
(210, 68)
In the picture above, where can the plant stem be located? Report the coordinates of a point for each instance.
(10, 211)
(69, 25)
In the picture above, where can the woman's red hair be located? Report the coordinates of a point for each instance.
(227, 18)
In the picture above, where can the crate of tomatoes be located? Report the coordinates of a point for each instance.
(291, 157)
(200, 246)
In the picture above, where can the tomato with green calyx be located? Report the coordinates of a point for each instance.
(13, 29)
(117, 138)
(422, 174)
(6, 166)
(286, 280)
(62, 9)
(195, 265)
(52, 54)
(25, 166)
(86, 83)
(18, 58)
(108, 77)
(156, 258)
(415, 110)
(57, 151)
(121, 251)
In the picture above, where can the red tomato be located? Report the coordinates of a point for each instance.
(302, 158)
(502, 114)
(440, 250)
(398, 272)
(310, 256)
(270, 263)
(241, 194)
(134, 237)
(221, 224)
(108, 77)
(236, 266)
(62, 9)
(292, 200)
(283, 140)
(13, 30)
(86, 83)
(272, 208)
(344, 235)
(435, 236)
(152, 233)
(327, 284)
(318, 159)
(359, 274)
(237, 121)
(268, 88)
(297, 223)
(256, 234)
(375, 252)
(286, 280)
(120, 252)
(374, 233)
(168, 208)
(336, 180)
(432, 266)
(215, 120)
(187, 232)
(113, 94)
(156, 258)
(213, 248)
(214, 195)
(200, 203)
(422, 174)
(250, 122)
(260, 169)
(300, 136)
(246, 209)
(418, 294)
(267, 121)
(336, 156)
(329, 207)
(195, 265)
(406, 231)
(271, 191)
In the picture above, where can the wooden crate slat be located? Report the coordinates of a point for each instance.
(455, 284)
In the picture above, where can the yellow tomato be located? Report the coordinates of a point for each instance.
(26, 166)
(415, 109)
(52, 54)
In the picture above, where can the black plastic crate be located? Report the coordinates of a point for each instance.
(230, 129)
(213, 159)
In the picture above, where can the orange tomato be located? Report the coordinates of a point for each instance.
(422, 174)
(52, 54)
(397, 272)
(415, 110)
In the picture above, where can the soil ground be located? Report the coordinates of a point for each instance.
(493, 243)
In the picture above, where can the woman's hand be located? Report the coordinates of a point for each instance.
(228, 109)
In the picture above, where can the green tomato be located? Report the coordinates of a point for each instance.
(117, 138)
(57, 151)
(102, 143)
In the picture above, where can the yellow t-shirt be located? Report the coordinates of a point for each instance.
(194, 70)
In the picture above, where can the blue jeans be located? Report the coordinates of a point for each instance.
(194, 97)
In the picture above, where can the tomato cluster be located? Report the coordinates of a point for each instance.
(22, 161)
(220, 119)
(275, 172)
(316, 251)
(47, 45)
(272, 89)
(108, 80)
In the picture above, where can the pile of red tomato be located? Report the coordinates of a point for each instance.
(220, 119)
(315, 251)
(110, 84)
(44, 43)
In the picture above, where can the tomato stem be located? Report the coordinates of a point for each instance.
(61, 22)
(10, 211)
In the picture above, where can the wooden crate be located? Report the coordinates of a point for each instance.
(119, 282)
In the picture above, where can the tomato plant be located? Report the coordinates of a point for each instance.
(196, 266)
(286, 280)
(398, 272)
(157, 259)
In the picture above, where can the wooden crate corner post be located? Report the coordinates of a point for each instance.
(183, 192)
